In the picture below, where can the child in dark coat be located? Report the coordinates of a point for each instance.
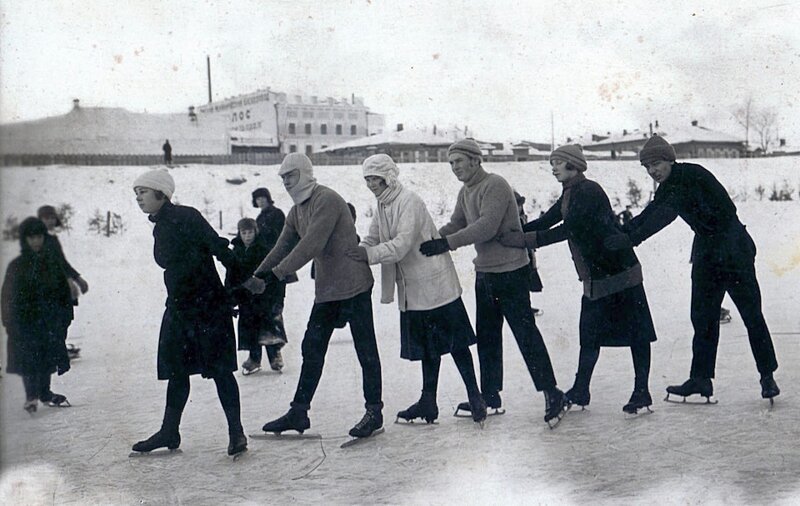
(36, 307)
(260, 316)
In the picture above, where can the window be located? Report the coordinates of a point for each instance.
(292, 148)
(309, 150)
(323, 129)
(352, 130)
(292, 128)
(338, 129)
(308, 128)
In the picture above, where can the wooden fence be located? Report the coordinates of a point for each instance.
(12, 160)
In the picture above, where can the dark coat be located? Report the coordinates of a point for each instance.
(197, 334)
(258, 313)
(36, 311)
(270, 223)
(51, 242)
(694, 194)
(614, 309)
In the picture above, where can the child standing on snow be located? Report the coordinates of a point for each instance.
(36, 307)
(260, 315)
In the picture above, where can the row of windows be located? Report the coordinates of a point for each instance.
(321, 115)
(309, 148)
(323, 129)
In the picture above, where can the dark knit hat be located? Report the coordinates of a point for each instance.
(656, 149)
(570, 153)
(466, 146)
(261, 192)
(48, 212)
(29, 227)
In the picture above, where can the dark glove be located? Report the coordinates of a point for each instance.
(434, 247)
(358, 253)
(617, 241)
(268, 277)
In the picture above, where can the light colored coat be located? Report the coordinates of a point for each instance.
(395, 233)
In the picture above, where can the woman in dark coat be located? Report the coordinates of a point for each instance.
(614, 309)
(260, 315)
(36, 307)
(197, 329)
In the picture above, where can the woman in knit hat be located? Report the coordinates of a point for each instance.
(723, 261)
(197, 334)
(433, 320)
(614, 309)
(36, 307)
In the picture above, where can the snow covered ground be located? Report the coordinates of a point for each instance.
(736, 452)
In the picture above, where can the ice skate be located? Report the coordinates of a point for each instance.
(250, 367)
(57, 401)
(493, 406)
(276, 363)
(577, 396)
(537, 311)
(702, 386)
(31, 406)
(295, 419)
(769, 389)
(371, 424)
(425, 409)
(639, 399)
(161, 439)
(724, 315)
(477, 407)
(73, 351)
(237, 444)
(555, 407)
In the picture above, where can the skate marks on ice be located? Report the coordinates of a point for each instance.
(159, 453)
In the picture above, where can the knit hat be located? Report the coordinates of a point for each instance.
(48, 212)
(656, 149)
(383, 167)
(261, 192)
(570, 153)
(31, 226)
(158, 179)
(466, 146)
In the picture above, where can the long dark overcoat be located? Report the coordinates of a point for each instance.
(197, 334)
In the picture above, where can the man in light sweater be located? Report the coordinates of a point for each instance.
(486, 208)
(319, 227)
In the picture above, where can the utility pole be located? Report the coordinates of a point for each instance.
(552, 133)
(208, 70)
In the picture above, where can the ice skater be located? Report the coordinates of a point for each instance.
(433, 320)
(260, 315)
(723, 261)
(319, 228)
(614, 309)
(485, 208)
(197, 334)
(36, 308)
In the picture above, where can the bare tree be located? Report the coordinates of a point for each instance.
(765, 124)
(742, 115)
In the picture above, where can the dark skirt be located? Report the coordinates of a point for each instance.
(620, 319)
(435, 332)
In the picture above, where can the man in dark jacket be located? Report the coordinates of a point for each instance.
(723, 258)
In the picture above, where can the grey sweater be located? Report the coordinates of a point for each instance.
(321, 229)
(484, 209)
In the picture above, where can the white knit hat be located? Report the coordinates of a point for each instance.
(158, 179)
(382, 166)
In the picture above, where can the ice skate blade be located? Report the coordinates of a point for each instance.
(282, 436)
(64, 404)
(160, 452)
(690, 400)
(357, 440)
(402, 421)
(236, 456)
(248, 373)
(630, 415)
(489, 412)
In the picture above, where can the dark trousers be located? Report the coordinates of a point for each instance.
(357, 311)
(709, 285)
(37, 386)
(272, 350)
(505, 295)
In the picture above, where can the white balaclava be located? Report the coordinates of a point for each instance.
(302, 190)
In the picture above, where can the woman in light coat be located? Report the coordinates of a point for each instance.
(433, 320)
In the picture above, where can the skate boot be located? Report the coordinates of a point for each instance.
(370, 423)
(639, 399)
(73, 351)
(702, 386)
(477, 406)
(162, 439)
(31, 406)
(296, 419)
(250, 366)
(769, 388)
(577, 396)
(425, 408)
(55, 400)
(493, 403)
(555, 406)
(276, 363)
(237, 442)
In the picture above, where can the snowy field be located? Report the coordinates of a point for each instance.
(736, 452)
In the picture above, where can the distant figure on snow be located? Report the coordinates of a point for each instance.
(167, 152)
(625, 216)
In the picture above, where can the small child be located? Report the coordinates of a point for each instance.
(36, 307)
(535, 280)
(260, 316)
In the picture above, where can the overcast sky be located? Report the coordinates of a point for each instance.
(498, 67)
